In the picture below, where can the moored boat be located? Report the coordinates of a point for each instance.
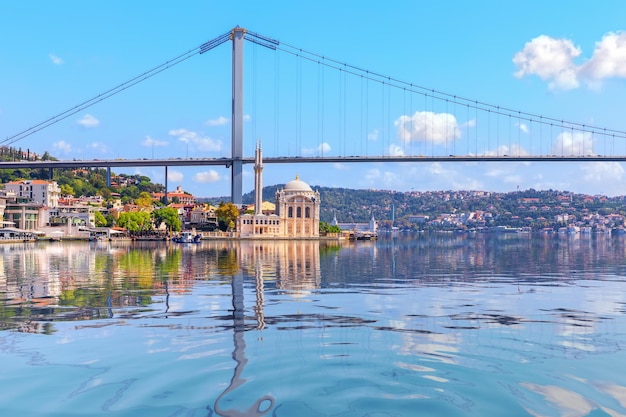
(187, 237)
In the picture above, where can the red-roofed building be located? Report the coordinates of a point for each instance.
(42, 192)
(181, 196)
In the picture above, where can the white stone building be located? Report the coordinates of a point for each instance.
(297, 210)
(42, 192)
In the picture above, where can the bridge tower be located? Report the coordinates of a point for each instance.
(236, 183)
(258, 181)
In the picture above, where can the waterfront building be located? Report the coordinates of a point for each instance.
(42, 192)
(203, 217)
(370, 227)
(296, 213)
(74, 215)
(24, 214)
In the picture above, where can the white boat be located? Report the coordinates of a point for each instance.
(187, 237)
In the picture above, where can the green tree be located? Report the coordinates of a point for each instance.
(111, 221)
(328, 228)
(101, 221)
(129, 193)
(169, 216)
(67, 189)
(144, 200)
(105, 193)
(226, 213)
(135, 222)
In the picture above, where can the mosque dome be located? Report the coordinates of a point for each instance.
(297, 185)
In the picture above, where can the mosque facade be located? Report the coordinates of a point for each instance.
(297, 213)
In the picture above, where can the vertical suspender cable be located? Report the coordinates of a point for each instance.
(488, 147)
(411, 115)
(323, 101)
(254, 92)
(361, 122)
(403, 114)
(345, 112)
(340, 112)
(476, 128)
(367, 114)
(276, 103)
(388, 121)
(530, 137)
(467, 130)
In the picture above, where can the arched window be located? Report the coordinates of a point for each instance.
(290, 212)
(307, 212)
(298, 211)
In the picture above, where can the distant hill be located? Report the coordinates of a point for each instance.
(513, 208)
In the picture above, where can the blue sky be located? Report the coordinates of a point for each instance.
(560, 59)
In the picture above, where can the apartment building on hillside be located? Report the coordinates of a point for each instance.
(42, 192)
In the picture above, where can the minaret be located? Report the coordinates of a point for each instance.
(258, 180)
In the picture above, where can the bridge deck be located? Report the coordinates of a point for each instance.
(227, 162)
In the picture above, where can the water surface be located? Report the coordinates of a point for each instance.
(408, 325)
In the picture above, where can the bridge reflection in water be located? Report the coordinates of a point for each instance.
(289, 328)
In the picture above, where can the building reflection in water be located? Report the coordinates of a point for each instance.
(293, 264)
(295, 267)
(265, 403)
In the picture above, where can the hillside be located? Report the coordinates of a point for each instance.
(427, 209)
(531, 208)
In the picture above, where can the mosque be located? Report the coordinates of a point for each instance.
(297, 213)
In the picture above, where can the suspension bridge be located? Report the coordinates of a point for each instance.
(367, 116)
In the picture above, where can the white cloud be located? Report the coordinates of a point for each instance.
(148, 141)
(552, 60)
(98, 147)
(468, 124)
(62, 146)
(609, 58)
(220, 121)
(207, 176)
(599, 172)
(522, 126)
(512, 179)
(202, 143)
(373, 135)
(89, 121)
(322, 149)
(428, 126)
(174, 176)
(183, 134)
(55, 59)
(340, 166)
(395, 150)
(435, 168)
(449, 176)
(573, 143)
(513, 150)
(375, 178)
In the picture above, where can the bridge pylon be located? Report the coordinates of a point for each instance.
(236, 184)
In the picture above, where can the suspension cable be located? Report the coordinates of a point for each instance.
(205, 47)
(440, 95)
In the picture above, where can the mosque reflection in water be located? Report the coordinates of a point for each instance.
(67, 281)
(441, 310)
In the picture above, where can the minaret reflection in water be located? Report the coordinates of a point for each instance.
(294, 266)
(264, 404)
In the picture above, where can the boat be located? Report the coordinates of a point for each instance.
(187, 237)
(364, 235)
